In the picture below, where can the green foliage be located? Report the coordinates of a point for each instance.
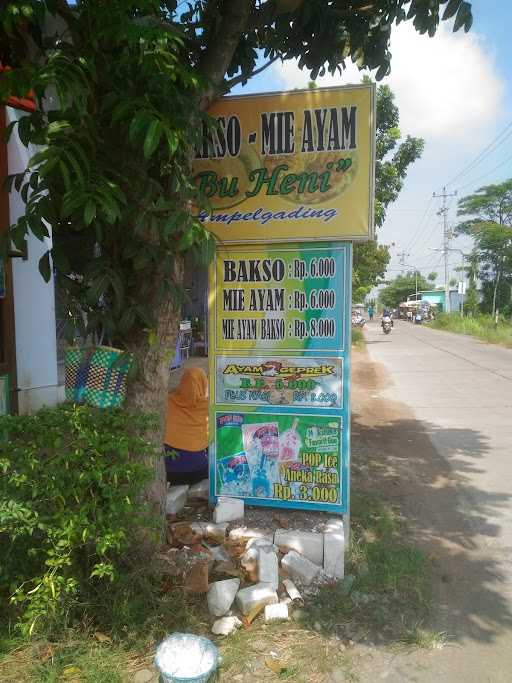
(69, 505)
(481, 326)
(488, 221)
(393, 158)
(402, 287)
(112, 176)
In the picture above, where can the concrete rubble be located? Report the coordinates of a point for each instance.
(246, 570)
(268, 566)
(306, 543)
(334, 549)
(300, 568)
(292, 590)
(276, 612)
(252, 597)
(176, 499)
(228, 510)
(221, 596)
(226, 625)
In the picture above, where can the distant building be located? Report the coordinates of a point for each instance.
(437, 296)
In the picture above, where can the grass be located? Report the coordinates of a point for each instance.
(358, 339)
(425, 639)
(482, 327)
(385, 595)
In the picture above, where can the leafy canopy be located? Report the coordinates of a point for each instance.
(120, 87)
(401, 287)
(393, 158)
(488, 220)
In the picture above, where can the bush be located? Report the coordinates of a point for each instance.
(71, 480)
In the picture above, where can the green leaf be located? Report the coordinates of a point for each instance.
(153, 135)
(464, 17)
(451, 9)
(89, 212)
(45, 267)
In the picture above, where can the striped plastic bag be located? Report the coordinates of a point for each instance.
(97, 376)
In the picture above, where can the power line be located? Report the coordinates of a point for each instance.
(485, 152)
(446, 241)
(420, 224)
(476, 180)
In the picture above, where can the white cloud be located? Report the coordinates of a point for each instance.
(446, 87)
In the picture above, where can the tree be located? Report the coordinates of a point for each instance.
(489, 222)
(400, 288)
(393, 158)
(121, 88)
(432, 277)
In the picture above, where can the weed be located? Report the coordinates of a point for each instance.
(483, 327)
(358, 339)
(425, 638)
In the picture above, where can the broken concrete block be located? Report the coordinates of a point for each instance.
(306, 543)
(249, 559)
(334, 549)
(176, 499)
(291, 589)
(228, 510)
(216, 532)
(226, 625)
(252, 597)
(200, 490)
(266, 542)
(185, 533)
(268, 567)
(196, 577)
(219, 553)
(276, 612)
(221, 595)
(243, 533)
(299, 567)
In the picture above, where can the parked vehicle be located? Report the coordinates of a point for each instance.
(358, 320)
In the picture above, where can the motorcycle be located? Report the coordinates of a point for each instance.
(386, 325)
(358, 321)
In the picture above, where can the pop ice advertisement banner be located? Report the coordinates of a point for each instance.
(279, 374)
(279, 458)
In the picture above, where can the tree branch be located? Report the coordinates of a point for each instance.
(227, 85)
(222, 45)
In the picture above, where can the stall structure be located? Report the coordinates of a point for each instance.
(289, 177)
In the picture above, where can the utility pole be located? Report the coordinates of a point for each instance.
(446, 241)
(403, 256)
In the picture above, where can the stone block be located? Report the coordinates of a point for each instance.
(306, 543)
(300, 568)
(221, 595)
(268, 567)
(276, 612)
(334, 549)
(291, 589)
(200, 490)
(252, 597)
(216, 532)
(176, 499)
(246, 534)
(226, 625)
(228, 510)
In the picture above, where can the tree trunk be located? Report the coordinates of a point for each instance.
(495, 292)
(147, 392)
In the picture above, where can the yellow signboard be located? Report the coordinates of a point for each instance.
(290, 166)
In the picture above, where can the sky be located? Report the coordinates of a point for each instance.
(454, 91)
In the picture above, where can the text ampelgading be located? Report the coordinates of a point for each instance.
(264, 216)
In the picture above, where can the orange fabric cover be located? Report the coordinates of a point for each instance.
(187, 412)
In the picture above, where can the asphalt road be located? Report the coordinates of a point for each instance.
(460, 393)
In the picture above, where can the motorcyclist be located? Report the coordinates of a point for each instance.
(386, 317)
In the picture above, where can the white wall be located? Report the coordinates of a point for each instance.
(34, 304)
